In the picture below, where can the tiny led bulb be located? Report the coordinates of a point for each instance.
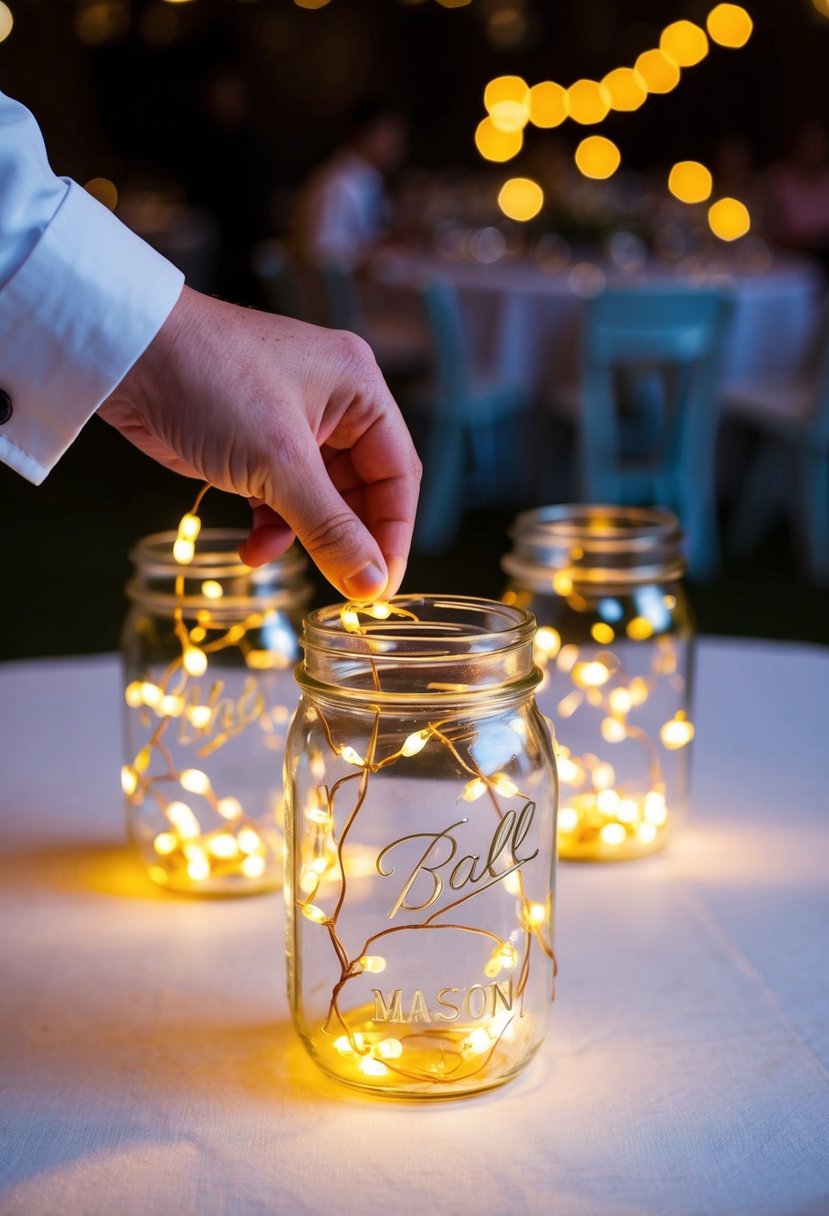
(183, 820)
(613, 834)
(351, 756)
(189, 526)
(535, 915)
(198, 869)
(676, 733)
(548, 641)
(646, 833)
(230, 808)
(473, 789)
(512, 883)
(372, 1068)
(129, 780)
(603, 775)
(620, 701)
(568, 819)
(151, 694)
(655, 810)
(350, 619)
(590, 675)
(415, 743)
(183, 551)
(476, 1042)
(132, 694)
(504, 785)
(607, 801)
(212, 590)
(390, 1049)
(380, 612)
(194, 661)
(165, 843)
(373, 963)
(312, 912)
(199, 715)
(612, 730)
(223, 846)
(343, 1045)
(249, 841)
(194, 781)
(171, 706)
(253, 867)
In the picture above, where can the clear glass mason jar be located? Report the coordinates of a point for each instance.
(615, 641)
(420, 795)
(208, 652)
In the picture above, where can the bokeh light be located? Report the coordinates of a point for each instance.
(822, 7)
(496, 145)
(520, 198)
(625, 88)
(587, 102)
(729, 25)
(6, 21)
(103, 190)
(729, 219)
(509, 115)
(685, 43)
(547, 104)
(506, 89)
(659, 73)
(101, 21)
(690, 182)
(597, 157)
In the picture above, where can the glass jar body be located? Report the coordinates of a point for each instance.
(615, 642)
(207, 658)
(420, 882)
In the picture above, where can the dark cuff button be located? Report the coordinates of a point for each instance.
(5, 406)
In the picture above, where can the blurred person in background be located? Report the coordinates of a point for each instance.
(343, 211)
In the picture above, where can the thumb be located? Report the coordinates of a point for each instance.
(334, 537)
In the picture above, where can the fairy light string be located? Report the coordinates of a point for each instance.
(239, 852)
(324, 857)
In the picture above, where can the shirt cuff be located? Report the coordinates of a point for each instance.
(74, 318)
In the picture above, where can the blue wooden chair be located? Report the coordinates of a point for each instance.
(647, 422)
(791, 466)
(464, 456)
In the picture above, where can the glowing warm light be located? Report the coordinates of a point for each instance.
(101, 188)
(569, 772)
(568, 819)
(729, 25)
(165, 843)
(568, 705)
(183, 820)
(198, 868)
(373, 963)
(612, 834)
(597, 157)
(314, 913)
(132, 694)
(194, 661)
(620, 701)
(625, 88)
(253, 867)
(659, 73)
(351, 756)
(211, 590)
(390, 1049)
(473, 790)
(504, 786)
(189, 526)
(520, 198)
(312, 4)
(548, 641)
(590, 675)
(639, 629)
(535, 915)
(690, 182)
(602, 633)
(646, 833)
(612, 730)
(183, 551)
(655, 810)
(547, 104)
(368, 1065)
(729, 219)
(249, 840)
(415, 743)
(512, 883)
(380, 611)
(607, 801)
(822, 7)
(497, 146)
(198, 715)
(509, 116)
(603, 775)
(685, 43)
(223, 846)
(588, 102)
(676, 733)
(506, 88)
(129, 780)
(194, 781)
(567, 657)
(638, 690)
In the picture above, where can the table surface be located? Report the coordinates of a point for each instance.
(148, 1065)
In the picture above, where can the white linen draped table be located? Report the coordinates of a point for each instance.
(148, 1065)
(523, 322)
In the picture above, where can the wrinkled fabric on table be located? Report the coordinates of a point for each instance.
(148, 1064)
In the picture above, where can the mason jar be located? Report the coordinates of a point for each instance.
(208, 651)
(615, 643)
(420, 796)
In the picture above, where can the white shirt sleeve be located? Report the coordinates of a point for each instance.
(81, 297)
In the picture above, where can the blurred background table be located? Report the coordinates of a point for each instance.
(149, 1064)
(523, 319)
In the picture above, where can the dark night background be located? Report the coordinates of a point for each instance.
(121, 92)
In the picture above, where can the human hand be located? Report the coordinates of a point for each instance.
(296, 419)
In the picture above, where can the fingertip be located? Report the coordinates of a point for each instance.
(368, 583)
(397, 568)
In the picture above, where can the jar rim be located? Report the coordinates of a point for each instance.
(215, 556)
(596, 543)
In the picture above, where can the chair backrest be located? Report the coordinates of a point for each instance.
(447, 341)
(820, 416)
(653, 354)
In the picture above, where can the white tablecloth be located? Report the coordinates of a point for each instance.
(524, 322)
(148, 1066)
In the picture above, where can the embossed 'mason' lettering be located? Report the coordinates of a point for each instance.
(509, 836)
(228, 717)
(477, 1004)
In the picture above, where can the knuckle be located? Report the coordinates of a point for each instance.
(334, 537)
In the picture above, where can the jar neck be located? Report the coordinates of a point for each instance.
(216, 580)
(594, 545)
(419, 649)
